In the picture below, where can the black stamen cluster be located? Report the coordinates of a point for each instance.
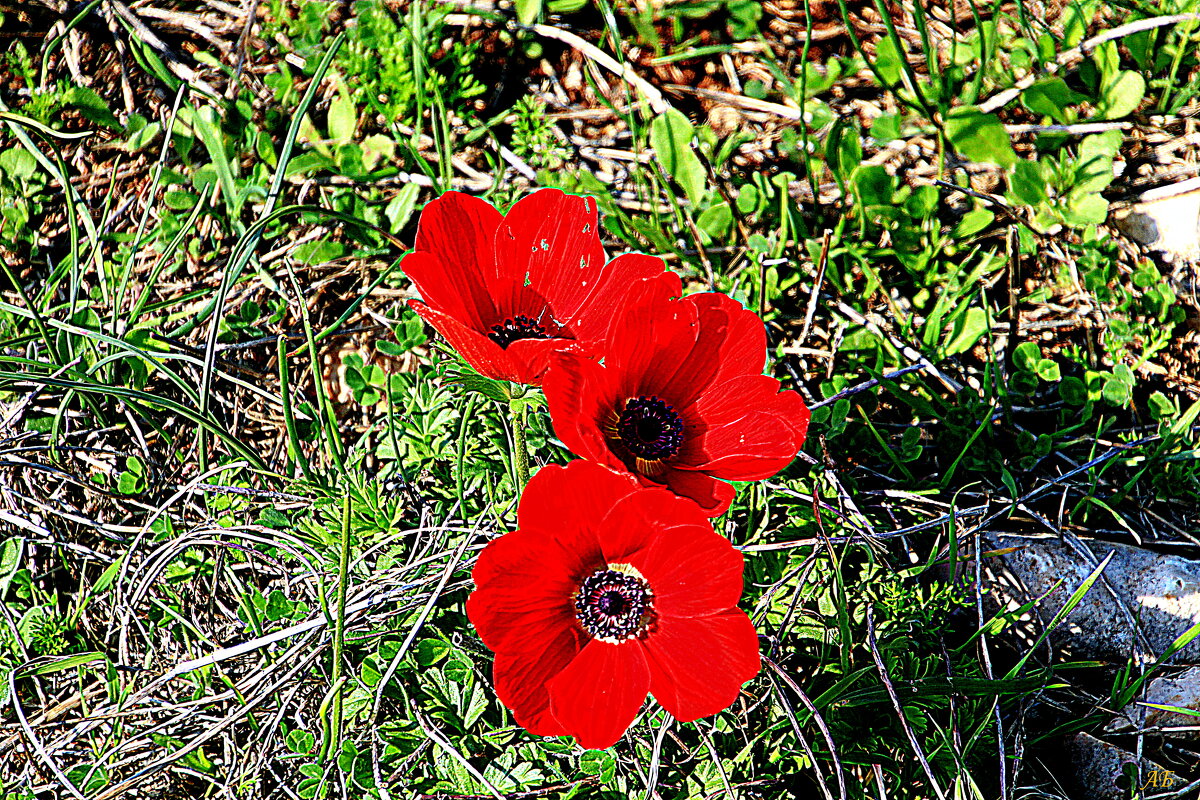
(612, 605)
(518, 327)
(650, 428)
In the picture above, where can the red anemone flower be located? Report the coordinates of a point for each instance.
(507, 291)
(608, 591)
(680, 399)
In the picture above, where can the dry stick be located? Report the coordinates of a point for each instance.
(812, 709)
(449, 749)
(909, 353)
(799, 734)
(712, 751)
(40, 749)
(891, 690)
(1069, 58)
(986, 655)
(868, 384)
(822, 263)
(120, 790)
(451, 565)
(656, 755)
(738, 101)
(658, 103)
(1115, 450)
(170, 60)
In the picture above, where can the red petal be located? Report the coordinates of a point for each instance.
(451, 290)
(551, 242)
(524, 581)
(581, 403)
(713, 496)
(746, 429)
(521, 682)
(608, 293)
(460, 226)
(488, 358)
(698, 666)
(531, 358)
(598, 695)
(459, 231)
(569, 503)
(654, 351)
(660, 288)
(691, 570)
(743, 349)
(676, 349)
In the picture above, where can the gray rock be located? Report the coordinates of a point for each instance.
(1166, 219)
(1143, 602)
(1180, 691)
(1099, 765)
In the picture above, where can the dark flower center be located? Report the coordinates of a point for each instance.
(650, 428)
(518, 327)
(613, 606)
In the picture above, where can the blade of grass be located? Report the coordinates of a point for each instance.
(247, 243)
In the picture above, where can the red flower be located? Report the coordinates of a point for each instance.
(680, 399)
(606, 592)
(507, 291)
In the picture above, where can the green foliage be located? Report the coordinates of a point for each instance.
(533, 136)
(893, 275)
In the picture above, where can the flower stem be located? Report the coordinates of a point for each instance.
(461, 453)
(520, 454)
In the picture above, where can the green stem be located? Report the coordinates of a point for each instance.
(520, 455)
(334, 739)
(468, 409)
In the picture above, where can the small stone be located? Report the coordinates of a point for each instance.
(1166, 219)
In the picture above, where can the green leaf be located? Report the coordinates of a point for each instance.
(875, 186)
(1027, 355)
(885, 128)
(299, 741)
(458, 670)
(430, 651)
(278, 606)
(343, 118)
(1027, 183)
(528, 11)
(10, 560)
(1048, 370)
(488, 387)
(319, 252)
(743, 18)
(400, 207)
(889, 61)
(377, 148)
(88, 778)
(1051, 97)
(843, 150)
(716, 221)
(973, 222)
(1161, 407)
(980, 137)
(61, 664)
(92, 106)
(968, 329)
(129, 483)
(1124, 374)
(1072, 391)
(1122, 96)
(1086, 210)
(593, 762)
(1117, 392)
(671, 137)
